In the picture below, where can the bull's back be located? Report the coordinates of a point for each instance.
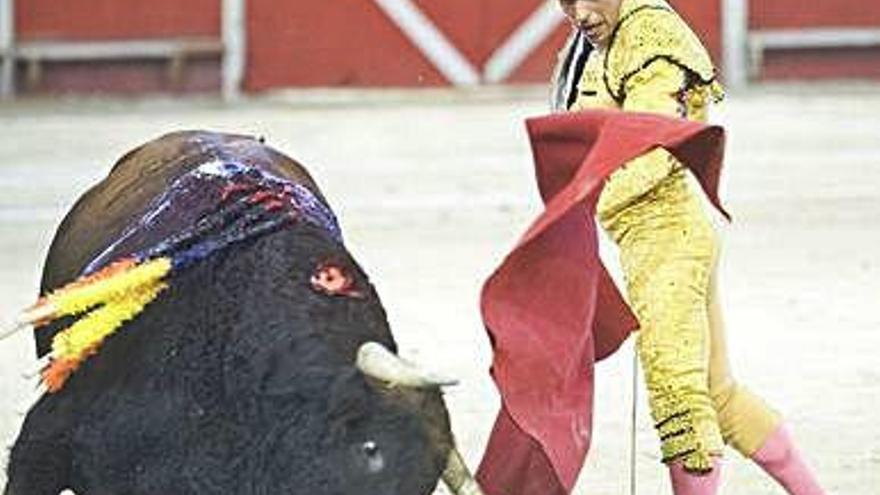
(103, 213)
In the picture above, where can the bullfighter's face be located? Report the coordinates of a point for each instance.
(596, 19)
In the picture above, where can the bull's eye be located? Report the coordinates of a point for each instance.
(370, 448)
(334, 279)
(375, 462)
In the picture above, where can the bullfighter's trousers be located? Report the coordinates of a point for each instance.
(668, 250)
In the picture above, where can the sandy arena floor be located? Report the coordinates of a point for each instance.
(433, 188)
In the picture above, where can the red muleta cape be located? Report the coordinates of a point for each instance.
(551, 308)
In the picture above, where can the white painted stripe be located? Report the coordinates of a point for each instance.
(430, 41)
(7, 44)
(523, 42)
(234, 35)
(816, 38)
(6, 24)
(735, 31)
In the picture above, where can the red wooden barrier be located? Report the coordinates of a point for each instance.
(115, 19)
(704, 17)
(357, 43)
(817, 63)
(103, 20)
(334, 43)
(360, 43)
(766, 14)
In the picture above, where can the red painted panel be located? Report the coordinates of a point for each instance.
(355, 43)
(538, 68)
(479, 27)
(350, 42)
(115, 19)
(503, 18)
(817, 64)
(334, 43)
(704, 17)
(855, 63)
(462, 21)
(124, 78)
(768, 14)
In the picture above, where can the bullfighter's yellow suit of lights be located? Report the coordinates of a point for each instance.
(668, 247)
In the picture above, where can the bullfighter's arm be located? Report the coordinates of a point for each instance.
(658, 88)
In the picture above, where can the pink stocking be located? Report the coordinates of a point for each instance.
(686, 483)
(781, 460)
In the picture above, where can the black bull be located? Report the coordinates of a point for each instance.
(240, 377)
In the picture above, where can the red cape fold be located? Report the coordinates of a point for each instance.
(551, 308)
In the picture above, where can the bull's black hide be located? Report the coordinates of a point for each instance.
(239, 378)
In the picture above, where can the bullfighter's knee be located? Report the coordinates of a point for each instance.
(744, 418)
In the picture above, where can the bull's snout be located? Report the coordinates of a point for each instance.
(375, 360)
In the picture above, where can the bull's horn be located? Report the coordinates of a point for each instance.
(374, 360)
(458, 478)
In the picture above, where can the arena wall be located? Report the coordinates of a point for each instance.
(117, 20)
(373, 43)
(825, 63)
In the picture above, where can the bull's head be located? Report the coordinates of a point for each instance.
(255, 355)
